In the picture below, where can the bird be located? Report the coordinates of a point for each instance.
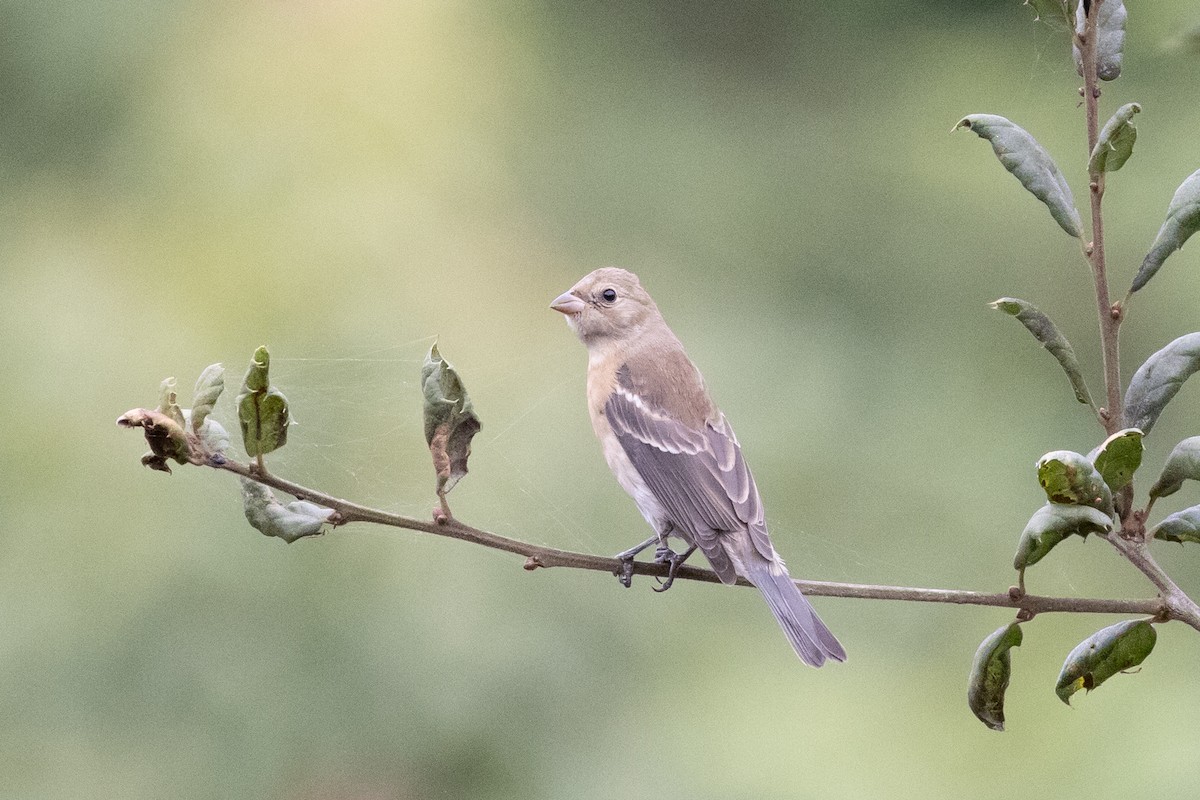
(674, 452)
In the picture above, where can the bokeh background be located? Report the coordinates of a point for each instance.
(344, 181)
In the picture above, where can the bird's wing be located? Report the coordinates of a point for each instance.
(699, 476)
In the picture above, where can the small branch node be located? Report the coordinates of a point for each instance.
(533, 562)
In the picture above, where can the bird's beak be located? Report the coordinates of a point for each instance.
(567, 303)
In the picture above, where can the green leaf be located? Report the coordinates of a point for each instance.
(450, 421)
(1183, 219)
(1021, 155)
(209, 386)
(1115, 145)
(1071, 478)
(166, 437)
(1183, 464)
(1182, 526)
(1118, 457)
(1047, 333)
(262, 409)
(291, 522)
(1054, 522)
(168, 403)
(990, 673)
(1103, 654)
(1159, 379)
(1110, 30)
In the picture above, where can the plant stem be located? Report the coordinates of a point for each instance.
(537, 556)
(1110, 316)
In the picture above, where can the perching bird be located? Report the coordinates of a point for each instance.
(673, 451)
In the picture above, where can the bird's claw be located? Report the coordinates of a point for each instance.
(665, 555)
(625, 572)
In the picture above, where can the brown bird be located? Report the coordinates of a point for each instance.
(673, 451)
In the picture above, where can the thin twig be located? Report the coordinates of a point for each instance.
(1110, 317)
(537, 556)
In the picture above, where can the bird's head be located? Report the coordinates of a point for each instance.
(605, 305)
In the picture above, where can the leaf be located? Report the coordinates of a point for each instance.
(1070, 478)
(1159, 379)
(209, 386)
(1183, 219)
(1047, 333)
(212, 434)
(1021, 155)
(1118, 457)
(262, 409)
(166, 437)
(1103, 654)
(167, 401)
(990, 673)
(291, 522)
(1182, 526)
(1110, 41)
(1183, 464)
(1115, 145)
(1054, 522)
(450, 421)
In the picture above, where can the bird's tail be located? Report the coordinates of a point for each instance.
(809, 637)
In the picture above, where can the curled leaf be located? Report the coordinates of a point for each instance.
(1047, 333)
(167, 401)
(1054, 522)
(1159, 379)
(212, 438)
(990, 673)
(262, 409)
(450, 421)
(291, 522)
(1118, 457)
(209, 386)
(1183, 464)
(1071, 478)
(1110, 41)
(1115, 145)
(166, 437)
(1103, 654)
(1182, 526)
(1183, 219)
(1021, 155)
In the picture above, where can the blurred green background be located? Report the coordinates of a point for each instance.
(343, 181)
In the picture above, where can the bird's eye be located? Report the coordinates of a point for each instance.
(609, 295)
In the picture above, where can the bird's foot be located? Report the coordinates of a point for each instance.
(665, 555)
(624, 572)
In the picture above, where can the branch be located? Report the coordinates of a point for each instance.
(1110, 315)
(536, 556)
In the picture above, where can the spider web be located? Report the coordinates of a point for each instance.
(358, 433)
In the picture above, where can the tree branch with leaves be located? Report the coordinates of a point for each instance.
(1086, 493)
